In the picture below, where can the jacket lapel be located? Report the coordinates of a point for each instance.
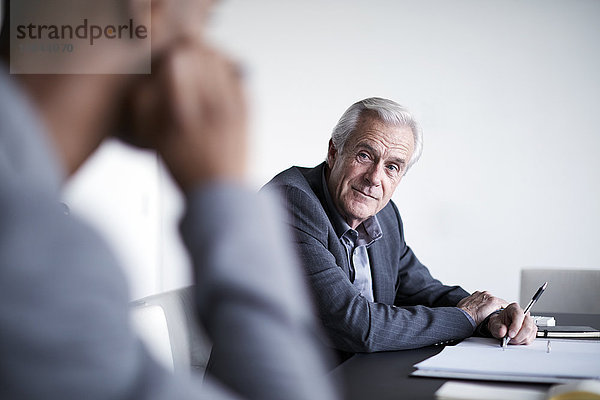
(313, 176)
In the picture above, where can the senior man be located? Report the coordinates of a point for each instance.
(372, 292)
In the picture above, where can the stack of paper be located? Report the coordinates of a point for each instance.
(578, 390)
(484, 359)
(476, 391)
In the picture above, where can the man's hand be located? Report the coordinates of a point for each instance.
(521, 328)
(206, 138)
(480, 304)
(192, 111)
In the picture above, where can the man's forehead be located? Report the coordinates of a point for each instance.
(377, 134)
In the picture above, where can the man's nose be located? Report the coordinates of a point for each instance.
(374, 174)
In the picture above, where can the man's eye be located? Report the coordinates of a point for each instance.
(393, 169)
(363, 156)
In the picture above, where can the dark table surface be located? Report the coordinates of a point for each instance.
(386, 375)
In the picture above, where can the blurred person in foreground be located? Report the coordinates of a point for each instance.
(64, 312)
(372, 292)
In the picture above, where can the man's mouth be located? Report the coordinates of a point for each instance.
(364, 194)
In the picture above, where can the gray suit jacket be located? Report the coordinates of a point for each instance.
(64, 305)
(411, 308)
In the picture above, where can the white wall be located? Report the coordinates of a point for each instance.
(507, 93)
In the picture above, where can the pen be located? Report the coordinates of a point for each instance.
(535, 298)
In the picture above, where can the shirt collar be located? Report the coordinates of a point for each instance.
(341, 227)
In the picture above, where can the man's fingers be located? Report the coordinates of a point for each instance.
(205, 109)
(489, 299)
(496, 327)
(515, 316)
(520, 327)
(480, 304)
(527, 332)
(183, 85)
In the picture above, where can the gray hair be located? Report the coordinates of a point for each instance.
(388, 111)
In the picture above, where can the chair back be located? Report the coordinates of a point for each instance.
(167, 323)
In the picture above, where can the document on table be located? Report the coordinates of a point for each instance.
(484, 359)
(458, 390)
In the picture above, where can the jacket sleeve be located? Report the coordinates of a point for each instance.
(353, 323)
(65, 317)
(252, 298)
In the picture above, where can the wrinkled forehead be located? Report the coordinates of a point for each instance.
(372, 129)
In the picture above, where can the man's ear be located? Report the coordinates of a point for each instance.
(331, 154)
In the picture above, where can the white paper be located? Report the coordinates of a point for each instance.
(481, 357)
(478, 391)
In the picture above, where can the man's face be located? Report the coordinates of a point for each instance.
(365, 174)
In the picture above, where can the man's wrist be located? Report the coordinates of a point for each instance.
(469, 317)
(483, 329)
